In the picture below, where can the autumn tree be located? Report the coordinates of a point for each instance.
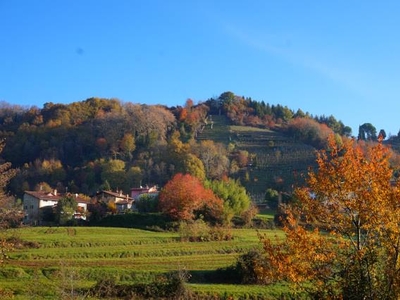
(351, 209)
(127, 145)
(185, 198)
(213, 156)
(9, 213)
(309, 131)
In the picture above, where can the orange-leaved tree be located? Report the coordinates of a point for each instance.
(184, 198)
(9, 213)
(343, 231)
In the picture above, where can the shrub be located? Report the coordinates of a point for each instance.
(196, 231)
(249, 215)
(200, 231)
(244, 271)
(166, 286)
(147, 204)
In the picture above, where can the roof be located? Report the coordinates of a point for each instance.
(41, 195)
(144, 189)
(115, 194)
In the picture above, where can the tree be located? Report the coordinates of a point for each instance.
(114, 173)
(236, 200)
(353, 201)
(8, 211)
(272, 198)
(185, 198)
(127, 145)
(367, 132)
(194, 166)
(146, 203)
(213, 156)
(65, 210)
(382, 134)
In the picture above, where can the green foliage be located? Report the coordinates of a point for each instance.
(78, 257)
(65, 209)
(194, 166)
(236, 199)
(272, 198)
(168, 286)
(200, 231)
(114, 173)
(147, 203)
(151, 221)
(367, 131)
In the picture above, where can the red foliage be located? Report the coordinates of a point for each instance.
(183, 114)
(184, 196)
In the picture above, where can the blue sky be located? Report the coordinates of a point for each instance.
(337, 58)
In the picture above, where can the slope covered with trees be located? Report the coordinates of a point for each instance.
(88, 145)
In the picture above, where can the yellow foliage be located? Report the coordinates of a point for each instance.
(343, 232)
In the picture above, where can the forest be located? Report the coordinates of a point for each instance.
(85, 146)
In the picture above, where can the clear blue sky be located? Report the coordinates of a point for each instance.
(338, 58)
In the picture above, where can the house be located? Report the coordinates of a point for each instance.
(136, 192)
(35, 201)
(122, 202)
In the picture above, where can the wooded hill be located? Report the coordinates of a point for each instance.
(107, 144)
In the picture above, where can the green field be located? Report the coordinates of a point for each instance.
(69, 258)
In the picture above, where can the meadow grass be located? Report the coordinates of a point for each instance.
(84, 255)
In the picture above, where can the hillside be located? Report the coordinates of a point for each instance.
(277, 161)
(101, 143)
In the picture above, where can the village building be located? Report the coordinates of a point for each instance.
(35, 201)
(137, 193)
(122, 202)
(151, 191)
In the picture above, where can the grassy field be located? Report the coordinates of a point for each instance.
(67, 258)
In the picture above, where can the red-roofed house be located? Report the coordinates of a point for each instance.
(122, 202)
(33, 201)
(135, 192)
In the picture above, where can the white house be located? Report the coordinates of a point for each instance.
(33, 201)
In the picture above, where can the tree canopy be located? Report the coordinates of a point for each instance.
(342, 234)
(185, 198)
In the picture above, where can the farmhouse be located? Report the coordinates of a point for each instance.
(122, 202)
(151, 191)
(34, 201)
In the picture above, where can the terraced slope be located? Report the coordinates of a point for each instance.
(277, 160)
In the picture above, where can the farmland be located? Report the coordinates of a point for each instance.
(72, 258)
(275, 157)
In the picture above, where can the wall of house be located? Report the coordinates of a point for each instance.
(43, 203)
(31, 209)
(32, 206)
(82, 206)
